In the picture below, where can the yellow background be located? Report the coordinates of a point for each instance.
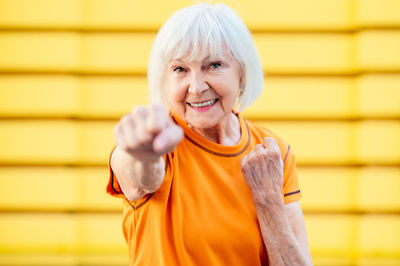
(69, 69)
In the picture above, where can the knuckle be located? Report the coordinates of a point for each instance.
(126, 121)
(140, 111)
(142, 138)
(258, 147)
(274, 153)
(269, 139)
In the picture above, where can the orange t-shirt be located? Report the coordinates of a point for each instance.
(203, 213)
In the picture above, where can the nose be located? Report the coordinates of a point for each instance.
(197, 83)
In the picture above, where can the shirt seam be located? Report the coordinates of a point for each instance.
(224, 154)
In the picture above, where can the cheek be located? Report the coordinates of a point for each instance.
(229, 90)
(175, 92)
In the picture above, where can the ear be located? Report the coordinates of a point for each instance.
(242, 84)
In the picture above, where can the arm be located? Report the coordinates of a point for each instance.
(136, 177)
(282, 226)
(142, 137)
(284, 234)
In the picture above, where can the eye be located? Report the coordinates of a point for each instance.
(215, 65)
(178, 69)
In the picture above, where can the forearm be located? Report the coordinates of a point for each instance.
(137, 177)
(282, 245)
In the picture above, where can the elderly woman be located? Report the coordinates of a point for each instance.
(201, 184)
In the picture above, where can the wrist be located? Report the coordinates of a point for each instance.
(272, 203)
(142, 157)
(151, 174)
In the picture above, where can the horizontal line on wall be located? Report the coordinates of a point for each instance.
(115, 211)
(99, 164)
(60, 211)
(345, 74)
(351, 212)
(84, 118)
(79, 167)
(143, 73)
(153, 30)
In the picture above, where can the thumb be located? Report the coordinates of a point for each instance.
(167, 139)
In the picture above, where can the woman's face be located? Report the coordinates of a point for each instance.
(203, 90)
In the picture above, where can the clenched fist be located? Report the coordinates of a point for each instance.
(147, 132)
(262, 169)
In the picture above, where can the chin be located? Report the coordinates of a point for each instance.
(204, 121)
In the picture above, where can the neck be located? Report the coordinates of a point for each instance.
(226, 132)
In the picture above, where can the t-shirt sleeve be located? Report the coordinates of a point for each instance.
(113, 187)
(291, 188)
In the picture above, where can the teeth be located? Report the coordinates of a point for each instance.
(204, 104)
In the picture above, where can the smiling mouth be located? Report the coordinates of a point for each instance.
(203, 104)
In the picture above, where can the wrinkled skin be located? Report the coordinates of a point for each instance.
(262, 169)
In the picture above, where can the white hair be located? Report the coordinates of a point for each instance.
(200, 29)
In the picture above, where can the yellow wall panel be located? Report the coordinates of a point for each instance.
(119, 258)
(92, 186)
(370, 189)
(327, 188)
(44, 95)
(38, 232)
(37, 188)
(354, 260)
(96, 142)
(316, 142)
(33, 51)
(55, 189)
(39, 13)
(380, 235)
(61, 233)
(331, 235)
(29, 141)
(46, 259)
(299, 97)
(379, 50)
(56, 142)
(379, 142)
(301, 15)
(67, 95)
(379, 95)
(305, 53)
(379, 261)
(379, 188)
(372, 13)
(116, 52)
(125, 14)
(38, 259)
(374, 142)
(331, 260)
(111, 97)
(110, 240)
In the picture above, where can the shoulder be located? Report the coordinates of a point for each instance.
(259, 132)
